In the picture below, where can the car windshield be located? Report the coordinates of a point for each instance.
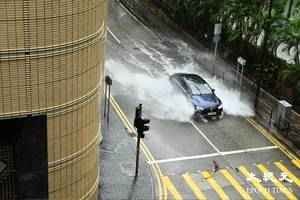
(198, 88)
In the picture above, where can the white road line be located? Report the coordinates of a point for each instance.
(206, 138)
(184, 158)
(113, 35)
(213, 155)
(137, 20)
(248, 150)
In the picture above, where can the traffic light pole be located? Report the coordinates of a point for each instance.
(141, 125)
(137, 155)
(138, 115)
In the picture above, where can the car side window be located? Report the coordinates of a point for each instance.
(185, 86)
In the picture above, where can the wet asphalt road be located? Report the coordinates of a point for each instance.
(135, 49)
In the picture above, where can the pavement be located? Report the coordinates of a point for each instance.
(117, 153)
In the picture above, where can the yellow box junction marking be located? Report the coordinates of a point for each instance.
(296, 163)
(194, 187)
(208, 176)
(236, 184)
(256, 183)
(288, 173)
(171, 188)
(277, 183)
(272, 139)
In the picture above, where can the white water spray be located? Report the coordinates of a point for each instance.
(155, 91)
(160, 98)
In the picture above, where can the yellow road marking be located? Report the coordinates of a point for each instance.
(163, 195)
(121, 118)
(113, 101)
(256, 184)
(272, 139)
(289, 174)
(278, 184)
(194, 187)
(296, 163)
(215, 185)
(236, 184)
(171, 188)
(156, 169)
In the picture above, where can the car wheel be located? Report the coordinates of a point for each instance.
(221, 115)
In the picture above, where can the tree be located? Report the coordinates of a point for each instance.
(290, 76)
(288, 33)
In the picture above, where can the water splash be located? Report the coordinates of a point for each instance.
(159, 97)
(151, 85)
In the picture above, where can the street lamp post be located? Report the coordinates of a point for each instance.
(242, 62)
(216, 40)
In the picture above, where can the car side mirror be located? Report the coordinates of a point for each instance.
(213, 90)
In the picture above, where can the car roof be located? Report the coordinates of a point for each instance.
(189, 76)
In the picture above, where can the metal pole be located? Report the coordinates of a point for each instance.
(105, 96)
(108, 104)
(215, 60)
(138, 145)
(237, 73)
(241, 79)
(216, 49)
(137, 154)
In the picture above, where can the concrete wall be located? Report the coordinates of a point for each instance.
(52, 62)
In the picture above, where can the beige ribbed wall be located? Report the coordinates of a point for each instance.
(51, 61)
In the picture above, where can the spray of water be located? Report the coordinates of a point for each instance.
(232, 104)
(159, 97)
(155, 91)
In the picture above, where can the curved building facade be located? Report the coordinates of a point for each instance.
(51, 63)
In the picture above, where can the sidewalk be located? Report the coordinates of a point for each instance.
(117, 165)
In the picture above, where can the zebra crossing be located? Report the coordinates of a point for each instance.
(274, 180)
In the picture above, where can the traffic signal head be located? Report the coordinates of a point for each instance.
(138, 116)
(108, 80)
(142, 127)
(139, 123)
(144, 122)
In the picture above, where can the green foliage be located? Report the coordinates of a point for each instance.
(245, 24)
(190, 13)
(290, 74)
(290, 77)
